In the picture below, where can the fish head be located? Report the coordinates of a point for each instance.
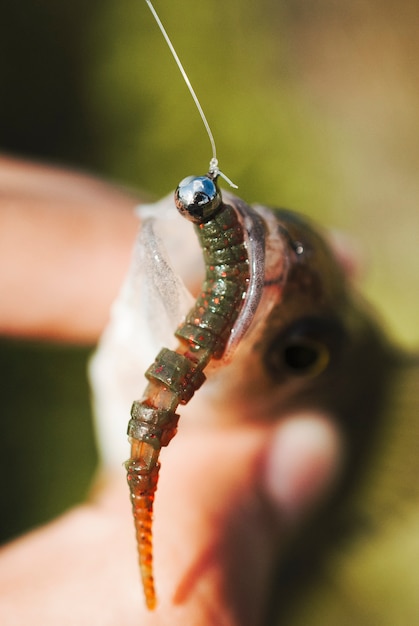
(313, 343)
(304, 339)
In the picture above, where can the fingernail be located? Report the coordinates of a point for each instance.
(303, 463)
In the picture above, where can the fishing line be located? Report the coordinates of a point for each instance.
(214, 169)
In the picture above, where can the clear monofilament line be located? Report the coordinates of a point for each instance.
(214, 161)
(185, 78)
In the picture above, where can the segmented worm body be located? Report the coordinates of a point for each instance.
(175, 375)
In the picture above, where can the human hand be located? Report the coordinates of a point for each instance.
(227, 498)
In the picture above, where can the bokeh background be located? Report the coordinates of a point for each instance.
(314, 105)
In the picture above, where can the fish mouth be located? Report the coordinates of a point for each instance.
(269, 253)
(172, 269)
(254, 234)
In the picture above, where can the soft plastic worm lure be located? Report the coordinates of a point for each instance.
(231, 236)
(176, 375)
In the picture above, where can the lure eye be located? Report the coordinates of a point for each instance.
(198, 198)
(306, 348)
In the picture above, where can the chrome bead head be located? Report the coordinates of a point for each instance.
(198, 198)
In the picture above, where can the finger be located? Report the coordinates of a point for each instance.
(303, 463)
(65, 244)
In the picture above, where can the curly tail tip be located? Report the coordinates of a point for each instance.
(142, 480)
(143, 516)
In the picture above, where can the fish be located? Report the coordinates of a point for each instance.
(278, 317)
(308, 341)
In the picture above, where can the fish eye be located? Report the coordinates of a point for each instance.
(306, 348)
(306, 356)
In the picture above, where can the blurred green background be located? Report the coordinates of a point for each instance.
(314, 105)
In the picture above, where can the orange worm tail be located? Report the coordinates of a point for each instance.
(142, 482)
